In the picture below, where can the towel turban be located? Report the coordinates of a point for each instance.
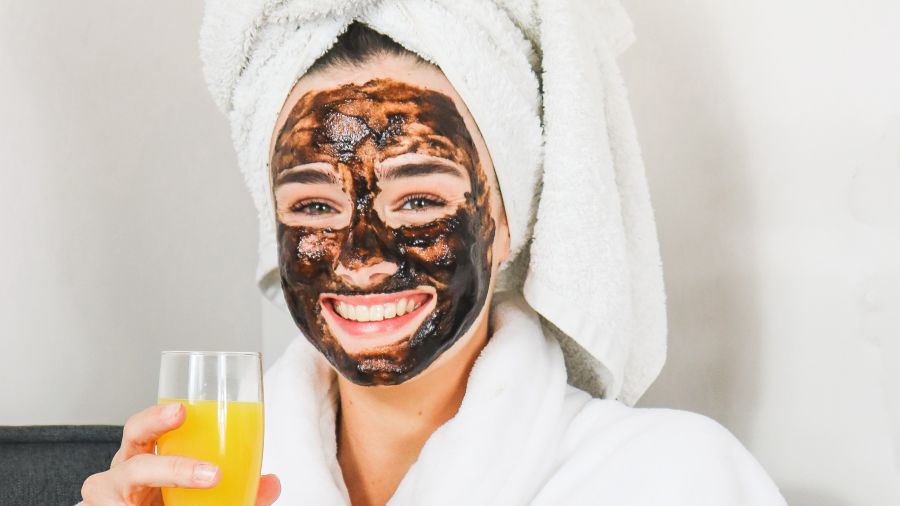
(541, 81)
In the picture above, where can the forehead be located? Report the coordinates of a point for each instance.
(388, 68)
(382, 115)
(378, 101)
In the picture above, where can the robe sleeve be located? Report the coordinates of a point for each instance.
(714, 468)
(655, 457)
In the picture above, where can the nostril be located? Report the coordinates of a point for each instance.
(378, 277)
(368, 275)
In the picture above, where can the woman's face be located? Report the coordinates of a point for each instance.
(385, 218)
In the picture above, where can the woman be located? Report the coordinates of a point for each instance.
(413, 385)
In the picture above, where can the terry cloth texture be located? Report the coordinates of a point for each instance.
(540, 79)
(521, 436)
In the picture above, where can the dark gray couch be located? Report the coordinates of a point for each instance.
(46, 465)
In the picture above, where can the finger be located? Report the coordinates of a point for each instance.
(269, 490)
(104, 488)
(143, 429)
(97, 489)
(148, 470)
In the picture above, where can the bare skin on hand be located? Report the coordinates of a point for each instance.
(136, 473)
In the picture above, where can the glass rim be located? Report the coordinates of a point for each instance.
(212, 353)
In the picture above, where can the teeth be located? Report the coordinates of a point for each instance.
(375, 313)
(345, 310)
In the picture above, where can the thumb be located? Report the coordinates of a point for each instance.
(269, 490)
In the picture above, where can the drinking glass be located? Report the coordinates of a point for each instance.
(223, 394)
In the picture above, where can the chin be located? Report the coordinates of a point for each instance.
(398, 356)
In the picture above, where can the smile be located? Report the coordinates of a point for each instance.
(377, 312)
(362, 322)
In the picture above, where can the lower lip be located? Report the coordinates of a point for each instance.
(377, 328)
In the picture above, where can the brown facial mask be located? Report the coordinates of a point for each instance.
(359, 244)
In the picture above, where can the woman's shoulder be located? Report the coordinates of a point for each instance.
(623, 430)
(656, 456)
(613, 420)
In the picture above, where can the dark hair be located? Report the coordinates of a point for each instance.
(359, 44)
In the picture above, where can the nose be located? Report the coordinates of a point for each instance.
(364, 276)
(362, 261)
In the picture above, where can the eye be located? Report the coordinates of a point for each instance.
(421, 202)
(314, 208)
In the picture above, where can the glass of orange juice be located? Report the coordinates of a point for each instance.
(223, 394)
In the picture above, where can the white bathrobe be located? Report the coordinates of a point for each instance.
(522, 436)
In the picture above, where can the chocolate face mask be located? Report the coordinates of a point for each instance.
(384, 226)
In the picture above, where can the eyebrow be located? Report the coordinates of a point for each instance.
(307, 174)
(421, 169)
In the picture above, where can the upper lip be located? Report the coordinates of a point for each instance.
(375, 298)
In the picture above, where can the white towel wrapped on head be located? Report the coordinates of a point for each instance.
(540, 79)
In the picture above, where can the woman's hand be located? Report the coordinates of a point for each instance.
(135, 475)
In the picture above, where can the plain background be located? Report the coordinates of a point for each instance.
(771, 134)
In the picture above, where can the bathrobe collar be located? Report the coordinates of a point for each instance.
(483, 455)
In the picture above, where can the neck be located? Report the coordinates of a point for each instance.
(382, 429)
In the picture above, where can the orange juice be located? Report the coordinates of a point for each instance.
(228, 434)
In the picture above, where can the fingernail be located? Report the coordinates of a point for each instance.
(205, 473)
(171, 410)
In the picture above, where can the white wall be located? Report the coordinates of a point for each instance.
(124, 225)
(771, 133)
